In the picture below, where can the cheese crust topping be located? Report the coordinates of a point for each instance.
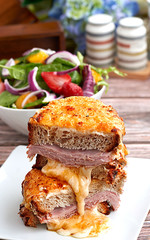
(80, 113)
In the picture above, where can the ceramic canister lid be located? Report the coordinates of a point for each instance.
(99, 25)
(131, 22)
(100, 19)
(131, 28)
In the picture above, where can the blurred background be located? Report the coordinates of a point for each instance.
(72, 14)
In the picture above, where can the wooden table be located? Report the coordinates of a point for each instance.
(131, 98)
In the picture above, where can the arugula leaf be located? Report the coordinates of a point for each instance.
(7, 99)
(115, 70)
(104, 72)
(80, 57)
(97, 87)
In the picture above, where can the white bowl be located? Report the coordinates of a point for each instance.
(18, 119)
(99, 94)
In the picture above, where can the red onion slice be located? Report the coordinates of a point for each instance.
(68, 70)
(11, 62)
(65, 55)
(49, 97)
(15, 91)
(32, 80)
(33, 83)
(88, 84)
(48, 51)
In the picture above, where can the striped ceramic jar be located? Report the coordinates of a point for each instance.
(131, 44)
(100, 40)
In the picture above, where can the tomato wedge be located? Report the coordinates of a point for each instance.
(55, 81)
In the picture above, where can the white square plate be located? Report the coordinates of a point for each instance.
(125, 223)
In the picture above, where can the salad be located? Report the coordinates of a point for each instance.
(40, 75)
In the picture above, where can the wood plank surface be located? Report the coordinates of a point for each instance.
(136, 115)
(128, 88)
(145, 231)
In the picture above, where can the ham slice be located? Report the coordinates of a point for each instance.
(71, 157)
(90, 202)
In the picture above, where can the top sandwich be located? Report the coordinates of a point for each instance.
(83, 114)
(76, 123)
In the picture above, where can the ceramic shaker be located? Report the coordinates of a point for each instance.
(131, 44)
(100, 40)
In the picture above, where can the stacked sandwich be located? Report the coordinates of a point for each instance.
(79, 171)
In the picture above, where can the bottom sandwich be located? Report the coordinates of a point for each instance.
(48, 200)
(53, 202)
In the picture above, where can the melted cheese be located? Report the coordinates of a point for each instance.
(89, 225)
(78, 178)
(119, 151)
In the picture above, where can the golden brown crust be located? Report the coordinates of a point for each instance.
(37, 184)
(80, 113)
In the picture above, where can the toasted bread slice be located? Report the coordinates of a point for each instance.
(77, 123)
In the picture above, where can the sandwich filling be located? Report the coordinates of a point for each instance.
(77, 158)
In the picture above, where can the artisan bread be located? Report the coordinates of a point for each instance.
(72, 139)
(77, 123)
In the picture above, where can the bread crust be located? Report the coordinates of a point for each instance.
(83, 114)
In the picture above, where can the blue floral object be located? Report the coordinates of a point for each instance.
(73, 15)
